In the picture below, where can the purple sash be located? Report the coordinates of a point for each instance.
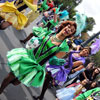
(61, 73)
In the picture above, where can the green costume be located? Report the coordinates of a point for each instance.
(44, 6)
(29, 65)
(87, 94)
(53, 24)
(41, 32)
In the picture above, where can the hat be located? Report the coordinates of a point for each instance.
(63, 14)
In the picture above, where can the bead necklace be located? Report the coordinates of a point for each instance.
(55, 39)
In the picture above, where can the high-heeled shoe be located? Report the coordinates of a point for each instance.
(37, 98)
(22, 41)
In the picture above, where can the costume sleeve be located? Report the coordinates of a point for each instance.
(82, 60)
(57, 61)
(57, 10)
(64, 47)
(33, 42)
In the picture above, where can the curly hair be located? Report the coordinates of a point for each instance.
(65, 23)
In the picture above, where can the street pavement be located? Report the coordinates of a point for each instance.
(9, 39)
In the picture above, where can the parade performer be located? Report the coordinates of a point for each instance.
(11, 13)
(60, 71)
(51, 18)
(39, 32)
(28, 66)
(47, 30)
(49, 15)
(53, 22)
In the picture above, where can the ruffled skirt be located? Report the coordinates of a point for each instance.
(23, 64)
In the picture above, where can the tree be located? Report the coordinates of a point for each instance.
(85, 36)
(90, 22)
(67, 4)
(96, 58)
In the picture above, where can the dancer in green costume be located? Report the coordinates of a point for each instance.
(28, 66)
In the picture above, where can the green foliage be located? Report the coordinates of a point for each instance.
(96, 58)
(67, 4)
(90, 22)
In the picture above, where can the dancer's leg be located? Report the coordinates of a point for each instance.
(1, 19)
(27, 38)
(15, 82)
(4, 25)
(45, 86)
(7, 81)
(48, 25)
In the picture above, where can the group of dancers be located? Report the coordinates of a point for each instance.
(48, 57)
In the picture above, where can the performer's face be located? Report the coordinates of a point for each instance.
(68, 30)
(84, 52)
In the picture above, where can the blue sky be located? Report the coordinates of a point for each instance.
(91, 8)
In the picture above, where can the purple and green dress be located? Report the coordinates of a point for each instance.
(58, 70)
(29, 65)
